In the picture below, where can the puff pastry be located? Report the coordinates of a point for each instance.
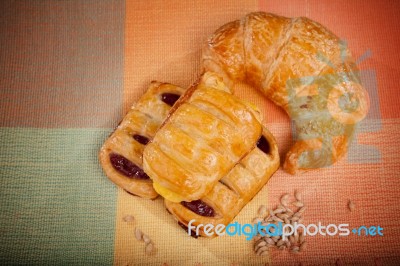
(302, 67)
(121, 155)
(206, 134)
(233, 191)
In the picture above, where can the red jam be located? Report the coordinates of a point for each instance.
(169, 98)
(199, 207)
(263, 145)
(126, 167)
(141, 139)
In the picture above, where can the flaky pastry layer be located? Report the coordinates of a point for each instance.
(207, 133)
(121, 156)
(234, 190)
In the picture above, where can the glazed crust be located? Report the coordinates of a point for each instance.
(207, 133)
(302, 67)
(235, 189)
(144, 119)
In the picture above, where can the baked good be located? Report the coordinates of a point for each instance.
(121, 154)
(207, 133)
(233, 191)
(302, 67)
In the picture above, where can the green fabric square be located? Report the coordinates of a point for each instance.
(56, 205)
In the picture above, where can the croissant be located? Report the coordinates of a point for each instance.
(121, 154)
(303, 68)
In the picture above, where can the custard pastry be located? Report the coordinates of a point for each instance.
(121, 155)
(233, 191)
(302, 67)
(207, 133)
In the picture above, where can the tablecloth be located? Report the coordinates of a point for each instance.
(69, 71)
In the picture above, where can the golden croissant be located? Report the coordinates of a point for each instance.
(303, 68)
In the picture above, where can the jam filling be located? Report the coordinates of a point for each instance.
(199, 207)
(126, 167)
(263, 145)
(141, 139)
(192, 233)
(169, 98)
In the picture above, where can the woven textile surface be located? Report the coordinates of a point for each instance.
(70, 70)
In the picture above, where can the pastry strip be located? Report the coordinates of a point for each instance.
(207, 133)
(234, 190)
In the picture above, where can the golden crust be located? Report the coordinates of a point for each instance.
(209, 112)
(285, 58)
(235, 189)
(144, 119)
(207, 133)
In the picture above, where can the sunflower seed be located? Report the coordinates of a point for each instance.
(282, 247)
(298, 204)
(279, 210)
(128, 218)
(303, 246)
(264, 224)
(258, 220)
(288, 244)
(301, 210)
(282, 215)
(264, 253)
(268, 219)
(291, 239)
(297, 195)
(146, 238)
(256, 238)
(138, 234)
(296, 237)
(276, 219)
(286, 221)
(295, 218)
(287, 230)
(284, 199)
(262, 210)
(280, 243)
(270, 241)
(288, 210)
(261, 249)
(351, 205)
(260, 243)
(149, 249)
(295, 249)
(275, 238)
